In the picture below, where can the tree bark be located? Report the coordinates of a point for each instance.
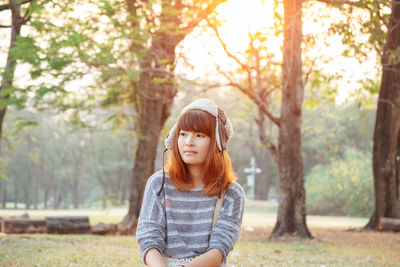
(291, 211)
(387, 129)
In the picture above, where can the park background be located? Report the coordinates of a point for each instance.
(75, 105)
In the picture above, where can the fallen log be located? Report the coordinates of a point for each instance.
(23, 226)
(389, 224)
(104, 229)
(68, 225)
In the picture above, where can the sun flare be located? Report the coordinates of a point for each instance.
(239, 18)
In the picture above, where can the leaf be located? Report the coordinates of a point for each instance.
(22, 123)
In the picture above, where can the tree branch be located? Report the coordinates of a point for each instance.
(341, 2)
(7, 6)
(261, 105)
(202, 15)
(224, 46)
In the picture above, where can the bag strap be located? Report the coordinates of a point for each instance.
(217, 209)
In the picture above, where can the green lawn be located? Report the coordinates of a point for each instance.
(332, 245)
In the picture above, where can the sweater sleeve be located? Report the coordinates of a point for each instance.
(151, 229)
(227, 230)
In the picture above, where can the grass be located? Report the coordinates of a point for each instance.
(332, 245)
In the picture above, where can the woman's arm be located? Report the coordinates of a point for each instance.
(154, 258)
(227, 230)
(151, 231)
(212, 258)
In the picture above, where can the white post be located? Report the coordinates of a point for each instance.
(251, 177)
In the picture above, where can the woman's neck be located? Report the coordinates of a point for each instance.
(196, 176)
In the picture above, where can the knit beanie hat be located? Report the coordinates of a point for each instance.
(223, 129)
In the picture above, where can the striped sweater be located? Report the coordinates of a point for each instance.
(179, 224)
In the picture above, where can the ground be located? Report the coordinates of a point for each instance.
(337, 242)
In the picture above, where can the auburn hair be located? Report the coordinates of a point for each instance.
(203, 122)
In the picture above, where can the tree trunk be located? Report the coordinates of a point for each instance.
(56, 193)
(16, 193)
(27, 196)
(75, 193)
(75, 184)
(45, 197)
(35, 191)
(8, 74)
(387, 129)
(291, 211)
(32, 174)
(152, 119)
(3, 193)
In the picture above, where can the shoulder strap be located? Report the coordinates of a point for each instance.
(217, 209)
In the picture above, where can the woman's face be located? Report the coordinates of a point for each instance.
(193, 147)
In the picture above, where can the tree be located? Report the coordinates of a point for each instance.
(17, 21)
(7, 77)
(261, 83)
(155, 89)
(386, 149)
(384, 37)
(291, 211)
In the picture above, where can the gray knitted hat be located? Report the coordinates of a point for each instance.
(223, 129)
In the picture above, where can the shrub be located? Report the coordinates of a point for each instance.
(343, 186)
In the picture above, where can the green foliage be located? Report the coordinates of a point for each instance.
(343, 186)
(56, 155)
(22, 123)
(22, 45)
(329, 130)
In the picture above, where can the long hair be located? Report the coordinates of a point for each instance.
(200, 121)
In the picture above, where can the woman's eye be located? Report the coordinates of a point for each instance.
(182, 134)
(200, 135)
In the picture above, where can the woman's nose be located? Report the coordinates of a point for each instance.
(190, 140)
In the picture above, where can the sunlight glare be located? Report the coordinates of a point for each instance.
(239, 17)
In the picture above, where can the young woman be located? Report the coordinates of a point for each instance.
(176, 225)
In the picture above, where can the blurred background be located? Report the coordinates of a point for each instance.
(74, 99)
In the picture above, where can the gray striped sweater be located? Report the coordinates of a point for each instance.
(179, 224)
